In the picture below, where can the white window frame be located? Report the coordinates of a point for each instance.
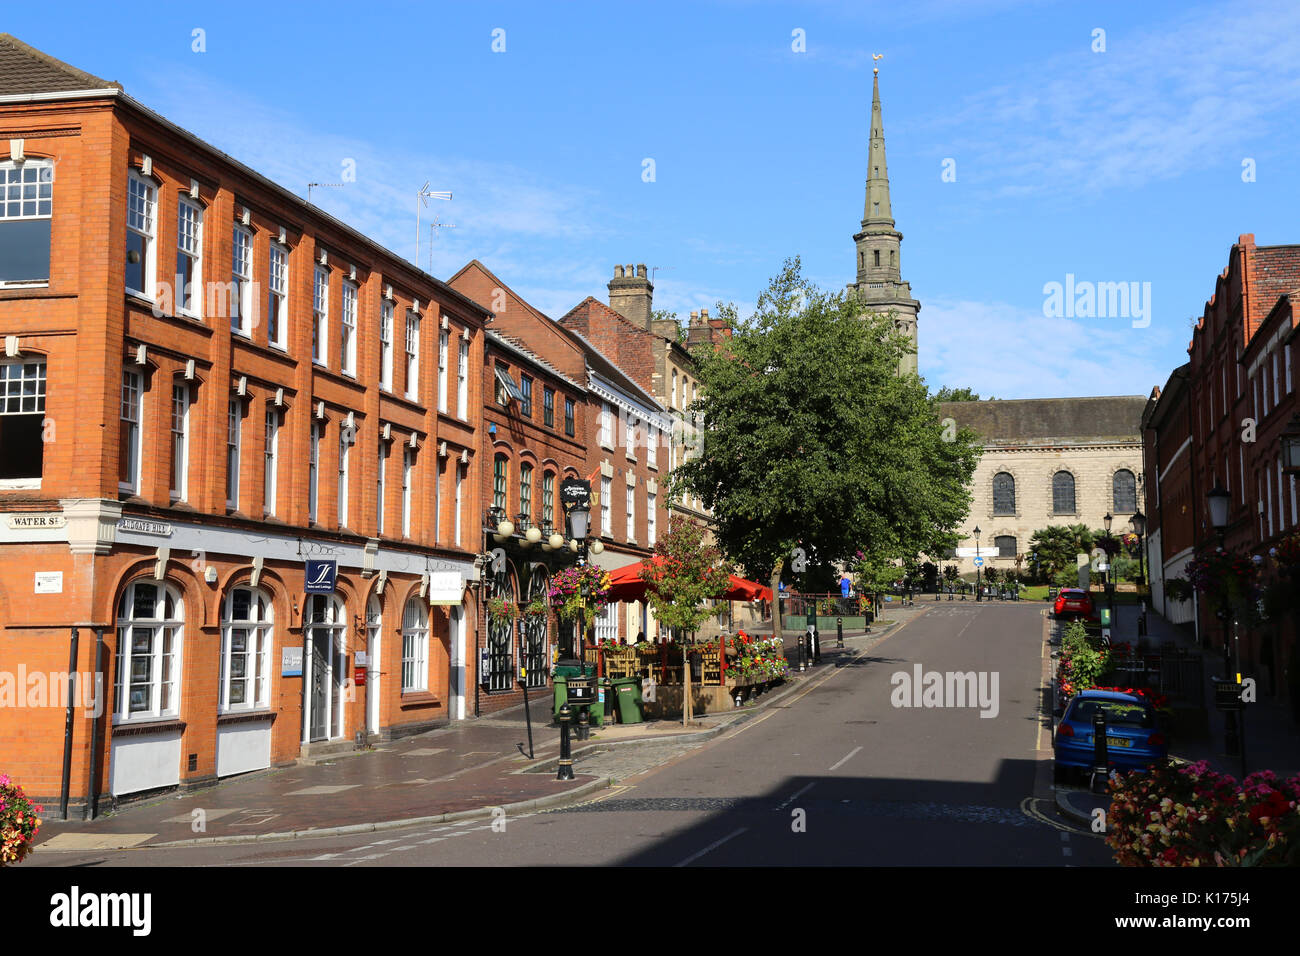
(14, 194)
(23, 395)
(260, 628)
(144, 223)
(241, 276)
(437, 502)
(180, 441)
(606, 511)
(415, 647)
(131, 399)
(386, 346)
(607, 623)
(408, 477)
(345, 448)
(348, 330)
(189, 243)
(234, 428)
(606, 425)
(320, 316)
(443, 343)
(313, 470)
(277, 303)
(462, 383)
(163, 655)
(460, 474)
(631, 512)
(381, 481)
(651, 525)
(270, 460)
(652, 447)
(412, 356)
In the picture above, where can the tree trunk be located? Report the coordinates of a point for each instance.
(776, 602)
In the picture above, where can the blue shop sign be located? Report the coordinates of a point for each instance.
(321, 575)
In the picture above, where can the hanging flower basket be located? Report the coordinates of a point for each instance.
(536, 608)
(567, 586)
(1224, 576)
(501, 612)
(1132, 544)
(1287, 554)
(1178, 589)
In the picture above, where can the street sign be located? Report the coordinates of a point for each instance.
(978, 562)
(575, 491)
(321, 575)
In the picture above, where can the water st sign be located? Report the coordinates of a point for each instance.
(321, 575)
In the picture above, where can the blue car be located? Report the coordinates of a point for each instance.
(1134, 738)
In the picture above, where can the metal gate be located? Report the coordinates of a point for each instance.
(501, 639)
(535, 628)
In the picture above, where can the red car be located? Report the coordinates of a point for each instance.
(1074, 602)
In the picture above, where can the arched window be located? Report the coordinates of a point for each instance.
(1004, 494)
(1125, 492)
(526, 491)
(1063, 493)
(500, 474)
(1006, 545)
(876, 254)
(150, 618)
(415, 646)
(548, 500)
(326, 627)
(246, 638)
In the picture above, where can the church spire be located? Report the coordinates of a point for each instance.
(876, 210)
(880, 287)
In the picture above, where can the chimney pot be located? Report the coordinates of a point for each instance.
(618, 272)
(704, 315)
(694, 316)
(640, 271)
(630, 273)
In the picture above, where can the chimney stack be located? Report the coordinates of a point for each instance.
(631, 293)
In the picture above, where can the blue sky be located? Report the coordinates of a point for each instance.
(1122, 165)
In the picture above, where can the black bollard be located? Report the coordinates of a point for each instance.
(584, 722)
(839, 632)
(1100, 757)
(566, 757)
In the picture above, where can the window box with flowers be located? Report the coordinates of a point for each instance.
(19, 822)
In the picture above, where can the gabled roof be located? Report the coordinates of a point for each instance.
(599, 363)
(25, 69)
(511, 343)
(591, 304)
(1042, 420)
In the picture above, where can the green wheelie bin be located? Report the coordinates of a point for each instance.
(627, 700)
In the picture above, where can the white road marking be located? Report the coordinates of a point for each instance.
(851, 754)
(712, 846)
(797, 794)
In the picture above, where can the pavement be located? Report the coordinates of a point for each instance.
(1272, 737)
(475, 768)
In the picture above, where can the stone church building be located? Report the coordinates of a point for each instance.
(1048, 461)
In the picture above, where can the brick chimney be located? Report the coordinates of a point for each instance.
(630, 295)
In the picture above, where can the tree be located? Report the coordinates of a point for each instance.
(687, 575)
(963, 394)
(812, 440)
(1057, 547)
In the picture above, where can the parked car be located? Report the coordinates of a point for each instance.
(1134, 738)
(1074, 602)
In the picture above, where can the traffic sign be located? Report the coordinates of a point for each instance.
(978, 562)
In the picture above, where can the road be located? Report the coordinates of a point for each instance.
(837, 774)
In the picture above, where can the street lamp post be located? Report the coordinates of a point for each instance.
(1220, 499)
(977, 562)
(1110, 586)
(1139, 524)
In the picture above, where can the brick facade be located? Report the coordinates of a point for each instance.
(149, 410)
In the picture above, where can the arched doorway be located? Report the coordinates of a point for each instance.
(326, 659)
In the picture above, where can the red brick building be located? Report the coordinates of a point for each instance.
(208, 382)
(1218, 422)
(619, 428)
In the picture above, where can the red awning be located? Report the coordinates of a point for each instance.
(626, 585)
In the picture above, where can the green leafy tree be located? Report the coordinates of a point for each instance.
(811, 439)
(1057, 547)
(963, 394)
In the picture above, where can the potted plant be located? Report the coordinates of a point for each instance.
(19, 822)
(537, 607)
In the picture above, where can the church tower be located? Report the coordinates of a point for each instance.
(879, 285)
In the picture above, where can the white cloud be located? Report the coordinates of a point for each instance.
(1011, 352)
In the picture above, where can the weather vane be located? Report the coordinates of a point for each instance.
(874, 57)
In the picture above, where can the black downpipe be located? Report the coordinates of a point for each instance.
(67, 725)
(93, 789)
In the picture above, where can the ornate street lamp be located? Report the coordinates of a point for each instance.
(977, 562)
(1220, 499)
(1139, 525)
